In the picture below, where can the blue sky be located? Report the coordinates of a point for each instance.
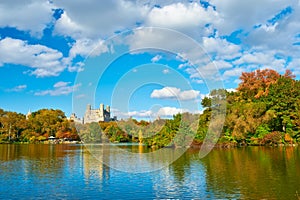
(144, 58)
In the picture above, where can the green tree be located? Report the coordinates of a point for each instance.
(284, 101)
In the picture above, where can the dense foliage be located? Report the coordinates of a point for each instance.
(265, 109)
(40, 125)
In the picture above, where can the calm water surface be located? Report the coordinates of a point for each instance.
(72, 172)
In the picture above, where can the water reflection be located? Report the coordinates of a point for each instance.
(183, 179)
(82, 171)
(93, 164)
(254, 172)
(134, 158)
(35, 159)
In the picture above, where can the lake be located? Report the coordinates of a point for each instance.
(40, 171)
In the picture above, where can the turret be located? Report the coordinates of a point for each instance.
(88, 107)
(101, 107)
(108, 109)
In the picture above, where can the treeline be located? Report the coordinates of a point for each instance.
(265, 109)
(14, 127)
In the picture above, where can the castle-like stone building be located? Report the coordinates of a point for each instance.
(75, 119)
(97, 115)
(94, 115)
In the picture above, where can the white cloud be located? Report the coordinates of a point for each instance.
(221, 47)
(65, 26)
(156, 38)
(167, 40)
(255, 58)
(282, 29)
(185, 17)
(199, 81)
(175, 93)
(235, 72)
(98, 18)
(87, 47)
(77, 67)
(43, 60)
(170, 111)
(18, 88)
(61, 84)
(143, 113)
(26, 15)
(165, 112)
(236, 14)
(208, 71)
(258, 42)
(231, 90)
(262, 59)
(156, 58)
(183, 65)
(166, 71)
(135, 114)
(59, 88)
(294, 65)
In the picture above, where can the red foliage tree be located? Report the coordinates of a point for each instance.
(256, 84)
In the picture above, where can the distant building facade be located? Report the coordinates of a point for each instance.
(98, 115)
(75, 119)
(94, 115)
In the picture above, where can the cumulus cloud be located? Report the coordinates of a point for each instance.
(167, 40)
(170, 111)
(175, 93)
(135, 114)
(143, 113)
(181, 16)
(235, 72)
(223, 29)
(235, 14)
(59, 88)
(294, 66)
(43, 60)
(208, 71)
(97, 18)
(32, 16)
(65, 26)
(262, 59)
(87, 47)
(165, 112)
(221, 48)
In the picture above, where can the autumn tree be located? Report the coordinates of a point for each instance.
(11, 125)
(256, 84)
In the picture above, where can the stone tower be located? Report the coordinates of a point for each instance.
(96, 115)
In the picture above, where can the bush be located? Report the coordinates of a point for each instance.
(262, 131)
(272, 138)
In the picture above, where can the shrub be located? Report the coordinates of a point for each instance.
(272, 138)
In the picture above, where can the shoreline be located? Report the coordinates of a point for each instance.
(194, 146)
